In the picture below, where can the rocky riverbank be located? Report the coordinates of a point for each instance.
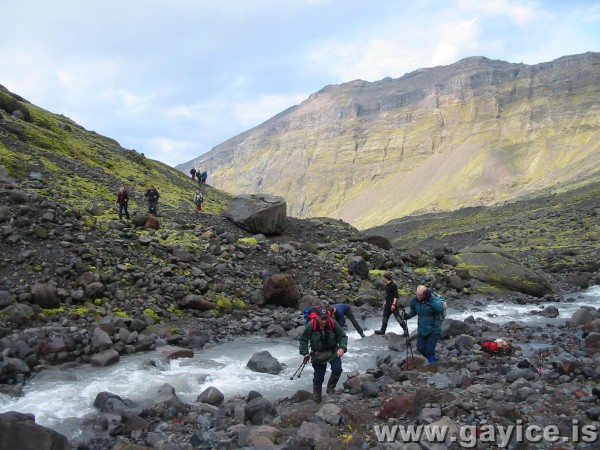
(550, 381)
(80, 286)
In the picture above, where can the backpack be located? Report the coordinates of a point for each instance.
(198, 199)
(499, 347)
(310, 314)
(442, 315)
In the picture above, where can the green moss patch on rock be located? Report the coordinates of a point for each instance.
(498, 271)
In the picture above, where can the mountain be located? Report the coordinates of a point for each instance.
(79, 285)
(477, 132)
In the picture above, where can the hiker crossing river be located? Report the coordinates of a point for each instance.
(61, 404)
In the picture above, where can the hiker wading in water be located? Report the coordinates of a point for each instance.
(328, 343)
(390, 305)
(427, 308)
(342, 310)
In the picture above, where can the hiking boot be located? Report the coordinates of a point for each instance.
(379, 332)
(333, 379)
(317, 390)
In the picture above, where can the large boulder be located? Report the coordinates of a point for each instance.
(259, 411)
(44, 295)
(358, 267)
(19, 431)
(212, 396)
(264, 362)
(258, 213)
(166, 395)
(19, 313)
(105, 358)
(493, 267)
(281, 290)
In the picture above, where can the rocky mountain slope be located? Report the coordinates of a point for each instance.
(558, 231)
(472, 133)
(78, 285)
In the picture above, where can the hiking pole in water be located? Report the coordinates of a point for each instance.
(299, 369)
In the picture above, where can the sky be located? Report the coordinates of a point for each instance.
(174, 78)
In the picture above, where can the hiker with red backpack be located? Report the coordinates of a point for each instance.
(328, 343)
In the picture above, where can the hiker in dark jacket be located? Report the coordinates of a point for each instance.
(152, 197)
(122, 201)
(328, 343)
(343, 310)
(390, 305)
(193, 173)
(429, 326)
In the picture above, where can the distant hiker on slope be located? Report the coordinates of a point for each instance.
(122, 200)
(152, 197)
(198, 200)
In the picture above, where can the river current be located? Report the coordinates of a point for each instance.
(60, 404)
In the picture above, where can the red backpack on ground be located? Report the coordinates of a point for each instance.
(499, 347)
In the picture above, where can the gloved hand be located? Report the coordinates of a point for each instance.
(306, 359)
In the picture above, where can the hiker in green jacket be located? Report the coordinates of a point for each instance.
(328, 343)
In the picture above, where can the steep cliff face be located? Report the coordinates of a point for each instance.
(472, 133)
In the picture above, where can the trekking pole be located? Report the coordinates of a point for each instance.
(409, 346)
(407, 336)
(302, 368)
(299, 370)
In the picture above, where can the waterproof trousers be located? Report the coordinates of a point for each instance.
(387, 312)
(321, 368)
(426, 346)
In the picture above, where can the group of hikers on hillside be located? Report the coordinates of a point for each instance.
(324, 338)
(201, 176)
(152, 197)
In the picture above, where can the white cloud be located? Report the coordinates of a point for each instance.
(455, 39)
(371, 60)
(518, 10)
(398, 49)
(169, 149)
(253, 113)
(87, 75)
(175, 80)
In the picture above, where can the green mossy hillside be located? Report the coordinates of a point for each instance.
(86, 169)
